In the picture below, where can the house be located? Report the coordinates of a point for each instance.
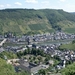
(1, 49)
(31, 67)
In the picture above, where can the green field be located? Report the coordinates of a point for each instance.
(68, 46)
(70, 30)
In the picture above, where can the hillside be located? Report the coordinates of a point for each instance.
(30, 21)
(8, 69)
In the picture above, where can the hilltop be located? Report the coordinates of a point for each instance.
(30, 21)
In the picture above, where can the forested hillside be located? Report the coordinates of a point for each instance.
(30, 21)
(8, 69)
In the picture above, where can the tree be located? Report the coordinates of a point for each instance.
(69, 70)
(34, 51)
(40, 59)
(42, 72)
(19, 54)
(34, 57)
(73, 41)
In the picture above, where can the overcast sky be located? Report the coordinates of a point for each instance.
(66, 5)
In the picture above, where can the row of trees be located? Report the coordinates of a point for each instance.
(31, 51)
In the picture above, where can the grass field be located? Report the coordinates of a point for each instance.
(70, 30)
(68, 46)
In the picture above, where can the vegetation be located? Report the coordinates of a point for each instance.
(7, 55)
(69, 70)
(42, 72)
(32, 52)
(30, 21)
(70, 46)
(7, 69)
(37, 56)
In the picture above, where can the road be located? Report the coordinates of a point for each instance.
(3, 42)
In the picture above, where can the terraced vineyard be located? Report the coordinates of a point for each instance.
(29, 21)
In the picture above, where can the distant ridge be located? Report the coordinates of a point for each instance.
(31, 21)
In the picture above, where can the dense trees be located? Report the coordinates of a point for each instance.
(69, 70)
(32, 51)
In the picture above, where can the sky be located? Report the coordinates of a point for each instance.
(66, 5)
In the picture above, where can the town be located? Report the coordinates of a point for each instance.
(47, 43)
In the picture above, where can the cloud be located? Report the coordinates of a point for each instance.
(69, 8)
(62, 0)
(31, 1)
(1, 6)
(18, 3)
(8, 5)
(45, 2)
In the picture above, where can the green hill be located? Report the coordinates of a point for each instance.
(30, 21)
